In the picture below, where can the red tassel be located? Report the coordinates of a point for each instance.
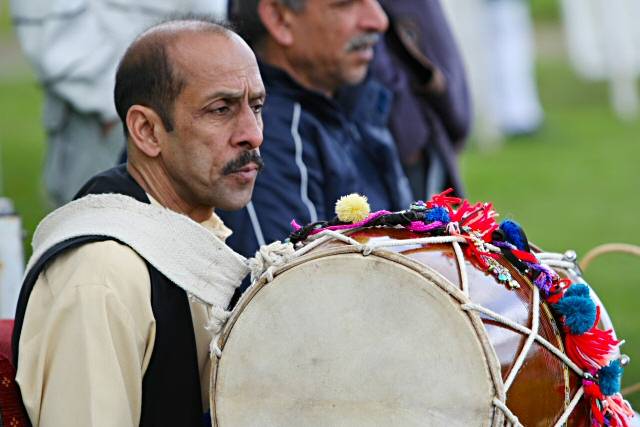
(592, 389)
(443, 200)
(479, 217)
(613, 408)
(593, 349)
(557, 291)
(525, 256)
(472, 252)
(596, 413)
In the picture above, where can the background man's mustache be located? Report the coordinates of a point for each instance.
(361, 41)
(244, 159)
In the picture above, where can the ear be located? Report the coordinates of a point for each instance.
(276, 18)
(146, 129)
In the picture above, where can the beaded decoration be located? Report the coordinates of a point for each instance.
(592, 349)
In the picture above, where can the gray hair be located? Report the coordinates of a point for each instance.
(244, 16)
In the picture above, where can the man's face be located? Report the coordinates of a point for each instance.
(211, 156)
(333, 41)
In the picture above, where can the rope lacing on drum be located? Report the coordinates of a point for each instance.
(475, 227)
(513, 420)
(269, 258)
(565, 261)
(214, 347)
(532, 332)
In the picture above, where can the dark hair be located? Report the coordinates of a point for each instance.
(146, 75)
(244, 16)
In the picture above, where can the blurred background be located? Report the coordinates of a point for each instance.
(571, 180)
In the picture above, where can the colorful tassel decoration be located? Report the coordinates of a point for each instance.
(514, 234)
(593, 349)
(352, 208)
(438, 214)
(578, 290)
(609, 378)
(444, 200)
(488, 246)
(617, 411)
(578, 309)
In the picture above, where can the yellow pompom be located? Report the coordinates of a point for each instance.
(352, 208)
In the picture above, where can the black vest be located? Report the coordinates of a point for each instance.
(171, 393)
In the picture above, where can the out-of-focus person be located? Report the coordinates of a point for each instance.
(129, 283)
(431, 115)
(603, 43)
(496, 39)
(74, 47)
(512, 67)
(325, 123)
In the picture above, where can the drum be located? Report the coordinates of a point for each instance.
(382, 329)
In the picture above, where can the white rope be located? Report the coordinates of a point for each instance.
(421, 241)
(567, 413)
(214, 347)
(507, 412)
(462, 267)
(327, 235)
(324, 237)
(560, 264)
(523, 329)
(535, 324)
(549, 255)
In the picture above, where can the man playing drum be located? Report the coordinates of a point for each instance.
(110, 326)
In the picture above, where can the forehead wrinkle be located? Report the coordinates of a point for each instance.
(229, 80)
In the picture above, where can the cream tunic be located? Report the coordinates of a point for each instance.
(88, 336)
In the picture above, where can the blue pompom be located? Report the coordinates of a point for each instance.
(577, 290)
(514, 234)
(609, 378)
(438, 214)
(579, 312)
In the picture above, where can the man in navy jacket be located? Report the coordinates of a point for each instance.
(324, 121)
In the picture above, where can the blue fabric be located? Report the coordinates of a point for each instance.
(346, 148)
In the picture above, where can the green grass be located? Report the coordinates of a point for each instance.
(22, 148)
(5, 20)
(545, 10)
(574, 186)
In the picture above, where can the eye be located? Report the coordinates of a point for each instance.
(342, 3)
(220, 110)
(257, 108)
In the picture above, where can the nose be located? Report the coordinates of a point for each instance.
(374, 19)
(248, 132)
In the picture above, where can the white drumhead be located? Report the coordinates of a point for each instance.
(347, 340)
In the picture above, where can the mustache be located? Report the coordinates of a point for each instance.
(362, 41)
(242, 160)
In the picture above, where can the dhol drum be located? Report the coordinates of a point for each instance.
(387, 326)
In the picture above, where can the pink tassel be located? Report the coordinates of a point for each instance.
(618, 411)
(295, 225)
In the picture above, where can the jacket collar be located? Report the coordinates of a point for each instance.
(369, 100)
